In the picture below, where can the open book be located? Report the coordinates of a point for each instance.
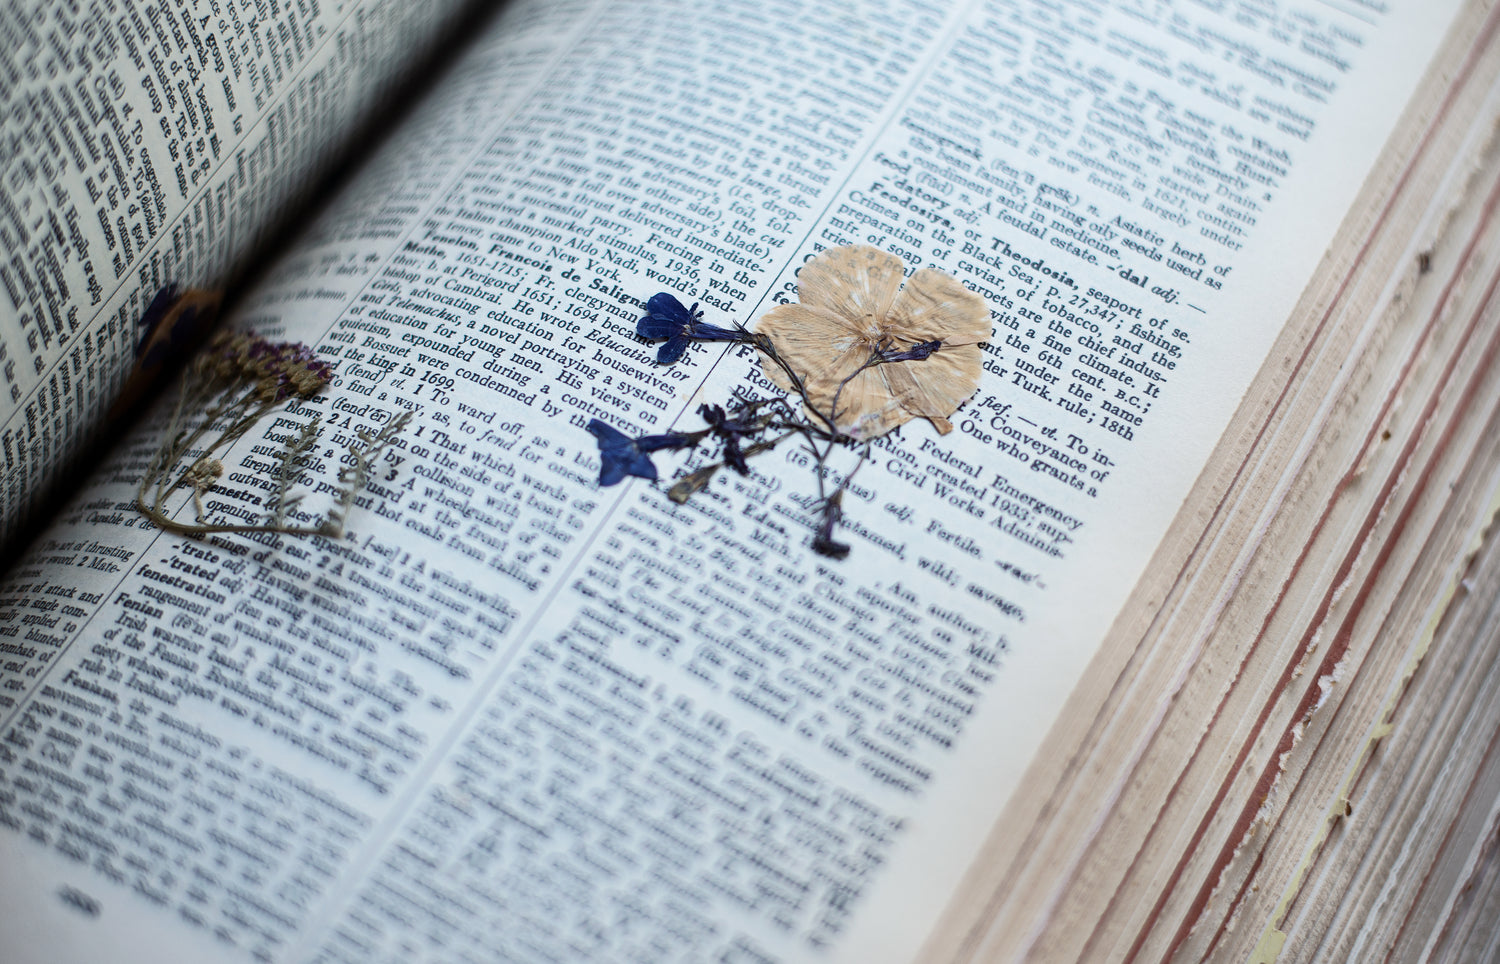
(1105, 665)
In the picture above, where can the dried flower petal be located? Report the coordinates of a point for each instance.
(618, 455)
(853, 310)
(694, 482)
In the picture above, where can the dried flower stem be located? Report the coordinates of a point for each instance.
(820, 434)
(365, 450)
(294, 456)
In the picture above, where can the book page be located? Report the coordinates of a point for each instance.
(514, 714)
(154, 144)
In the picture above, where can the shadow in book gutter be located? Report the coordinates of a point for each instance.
(392, 106)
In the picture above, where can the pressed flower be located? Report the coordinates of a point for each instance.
(666, 318)
(234, 382)
(861, 353)
(863, 346)
(277, 370)
(620, 455)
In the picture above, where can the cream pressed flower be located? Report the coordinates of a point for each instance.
(853, 316)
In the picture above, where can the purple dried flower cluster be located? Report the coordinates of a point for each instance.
(235, 381)
(278, 370)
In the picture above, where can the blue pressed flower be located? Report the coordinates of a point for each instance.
(620, 455)
(666, 318)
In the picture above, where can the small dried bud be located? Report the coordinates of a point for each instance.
(684, 488)
(823, 542)
(268, 388)
(204, 473)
